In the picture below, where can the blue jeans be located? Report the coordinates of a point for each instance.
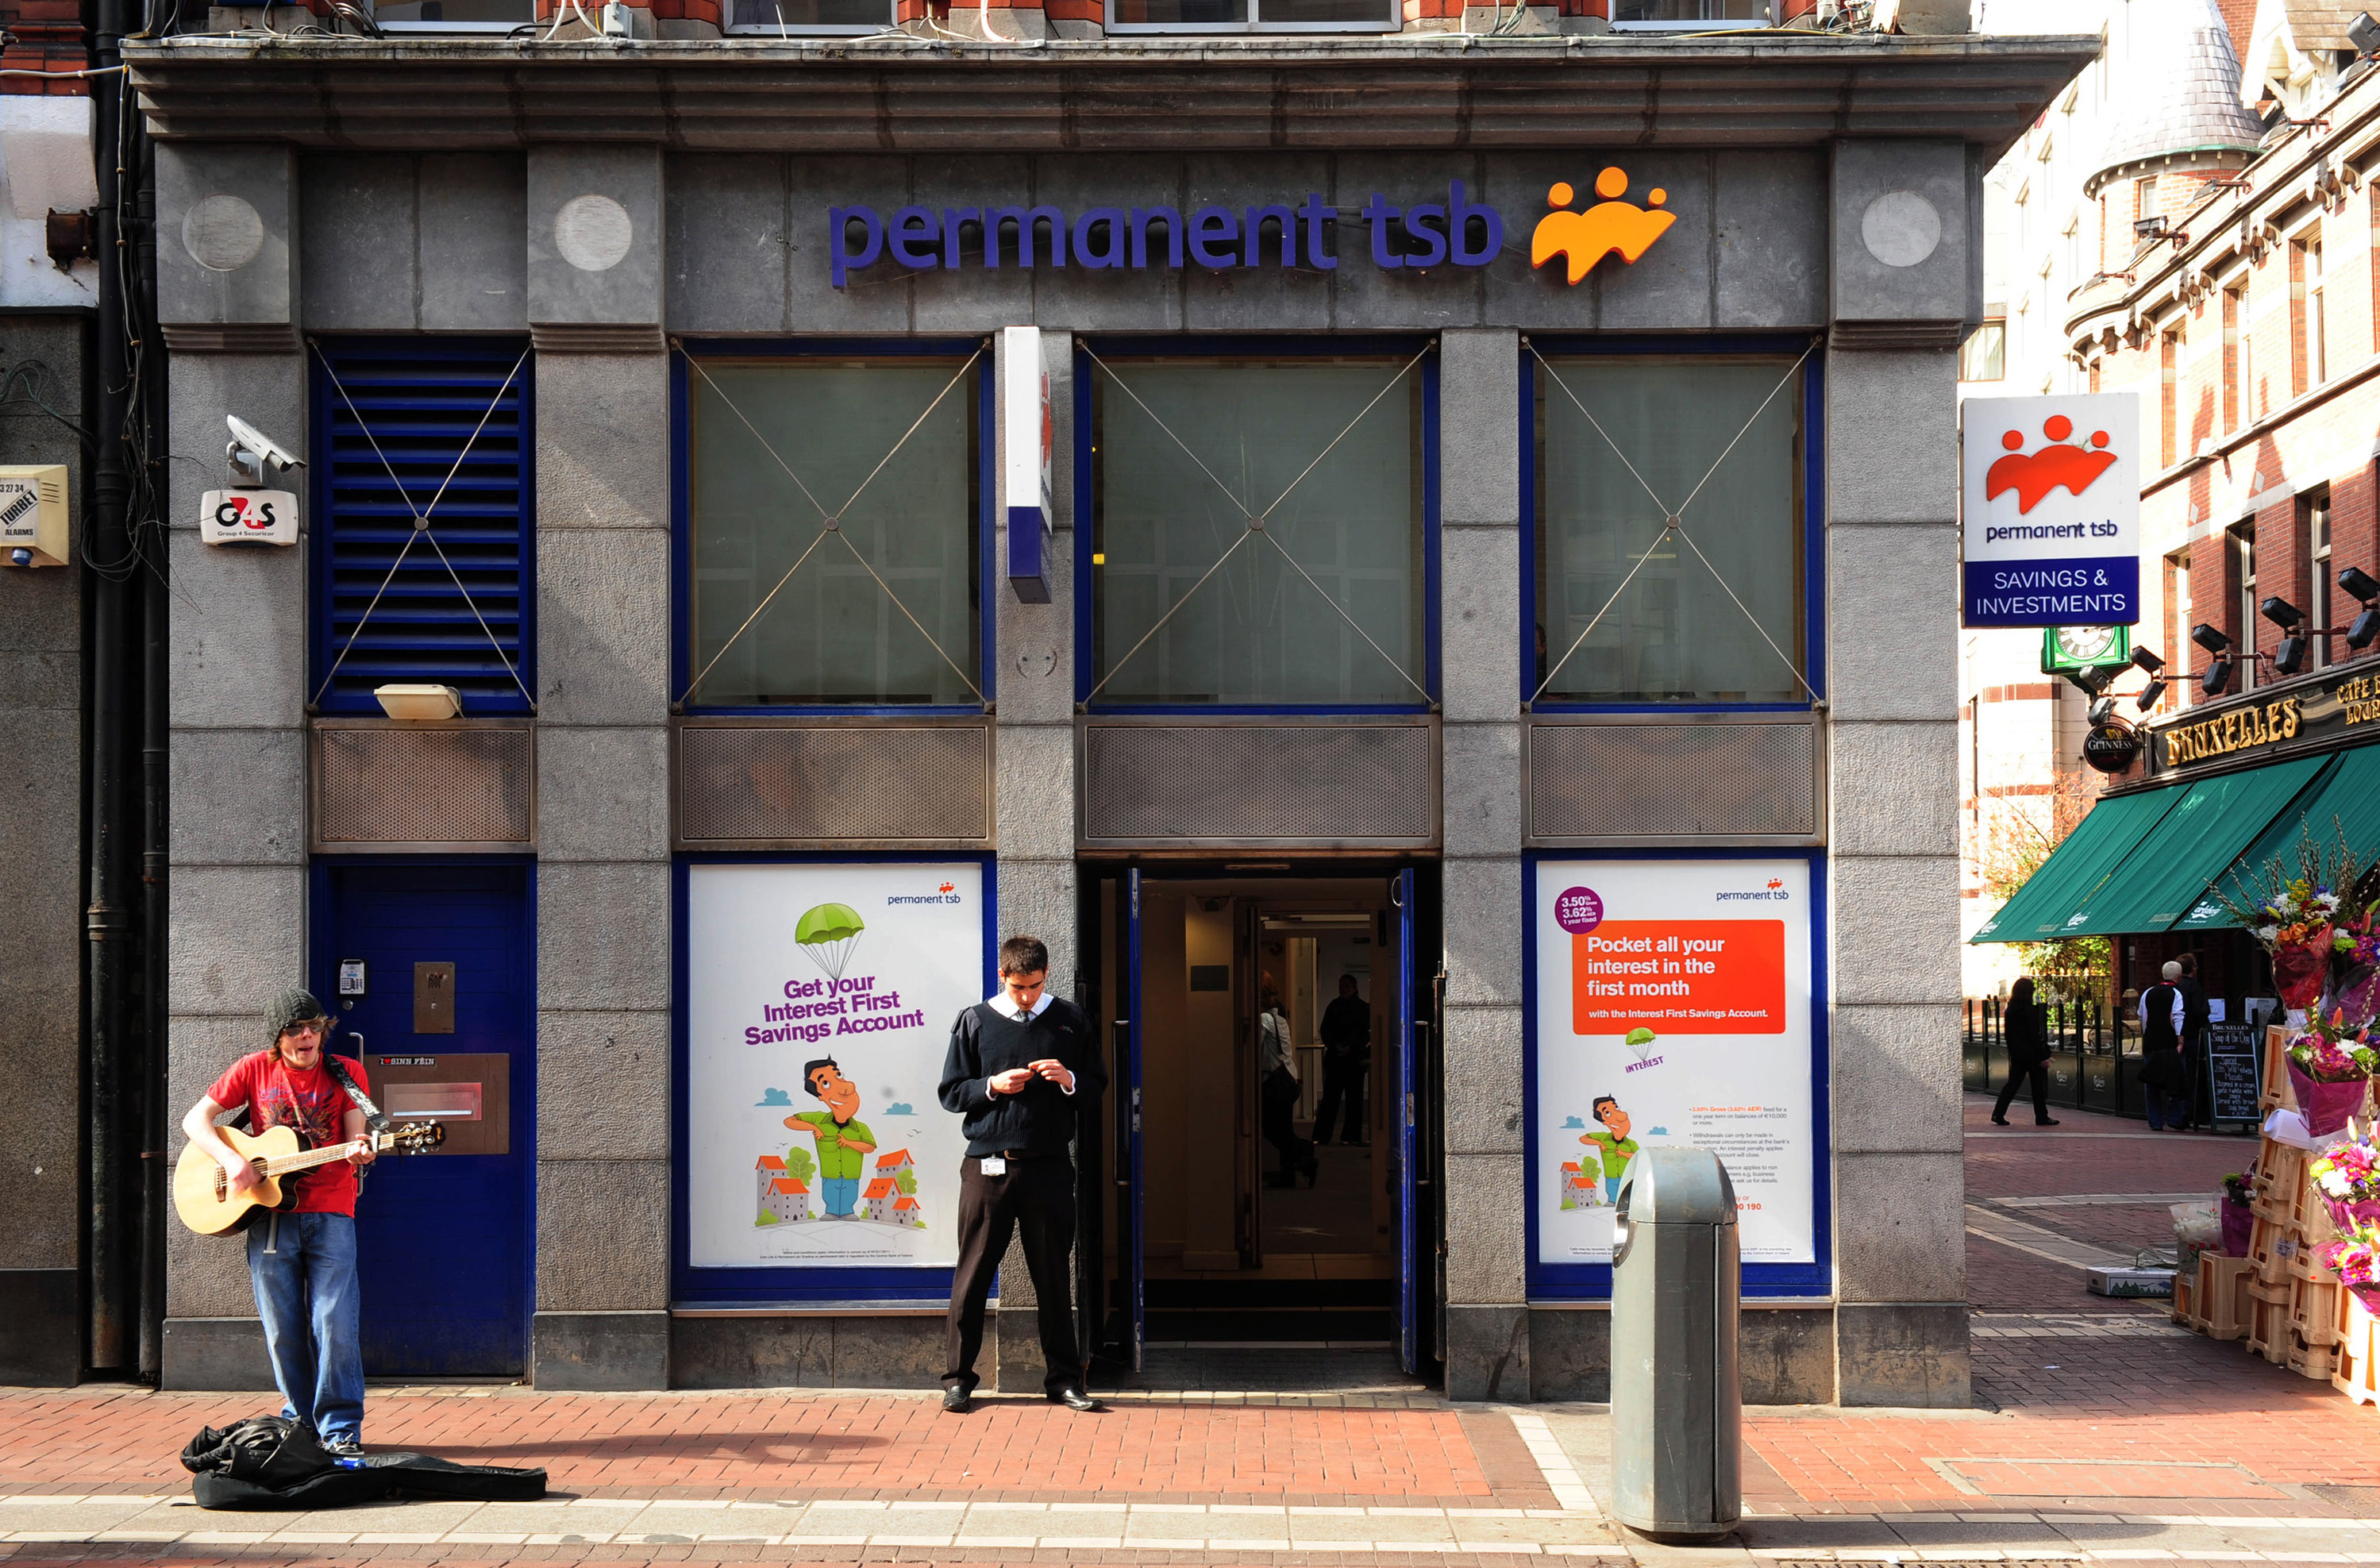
(304, 1270)
(1612, 1189)
(2164, 1107)
(842, 1192)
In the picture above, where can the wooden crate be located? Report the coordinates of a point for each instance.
(2272, 1250)
(2277, 1072)
(2182, 1309)
(2220, 1296)
(2280, 1182)
(2356, 1370)
(2269, 1323)
(2314, 1311)
(2316, 1361)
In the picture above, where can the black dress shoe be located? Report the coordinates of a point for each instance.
(1075, 1399)
(956, 1400)
(2043, 1121)
(1999, 1121)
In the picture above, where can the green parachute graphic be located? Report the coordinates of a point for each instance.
(827, 934)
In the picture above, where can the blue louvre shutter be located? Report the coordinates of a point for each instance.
(418, 401)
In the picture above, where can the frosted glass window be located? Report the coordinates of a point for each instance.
(1673, 635)
(1257, 631)
(831, 635)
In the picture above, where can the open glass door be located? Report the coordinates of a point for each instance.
(1411, 1271)
(1131, 1236)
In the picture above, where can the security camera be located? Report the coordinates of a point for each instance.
(250, 449)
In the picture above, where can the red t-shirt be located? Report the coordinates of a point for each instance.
(279, 1095)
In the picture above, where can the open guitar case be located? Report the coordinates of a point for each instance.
(272, 1462)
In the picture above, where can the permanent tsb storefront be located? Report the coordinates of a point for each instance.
(2217, 794)
(1457, 528)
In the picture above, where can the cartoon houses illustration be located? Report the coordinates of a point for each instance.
(765, 1170)
(1577, 1190)
(787, 1198)
(893, 1164)
(908, 1211)
(879, 1197)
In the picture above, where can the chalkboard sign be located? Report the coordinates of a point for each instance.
(2232, 1077)
(2233, 1040)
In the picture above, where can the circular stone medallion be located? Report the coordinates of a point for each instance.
(592, 232)
(1902, 228)
(221, 233)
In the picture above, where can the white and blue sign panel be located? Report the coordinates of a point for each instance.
(2050, 496)
(1025, 461)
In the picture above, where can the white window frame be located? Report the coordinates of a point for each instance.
(1703, 24)
(595, 9)
(1392, 19)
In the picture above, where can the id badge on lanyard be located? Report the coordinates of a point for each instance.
(995, 1165)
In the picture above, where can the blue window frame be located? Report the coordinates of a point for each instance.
(1376, 357)
(690, 1286)
(451, 419)
(1573, 689)
(1592, 1282)
(974, 651)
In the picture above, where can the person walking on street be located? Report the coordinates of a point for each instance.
(302, 1262)
(2164, 1085)
(1020, 1064)
(2026, 1027)
(1346, 1034)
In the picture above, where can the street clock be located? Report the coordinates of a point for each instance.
(2084, 647)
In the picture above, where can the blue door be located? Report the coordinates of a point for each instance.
(429, 970)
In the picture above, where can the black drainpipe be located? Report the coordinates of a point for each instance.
(155, 802)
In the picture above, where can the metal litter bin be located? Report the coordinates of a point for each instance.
(1677, 1400)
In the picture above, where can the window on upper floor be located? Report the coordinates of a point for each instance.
(834, 505)
(455, 16)
(2241, 540)
(2315, 321)
(767, 16)
(1669, 544)
(2313, 537)
(1677, 15)
(1983, 356)
(1254, 16)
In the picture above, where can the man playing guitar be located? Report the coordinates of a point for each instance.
(301, 1262)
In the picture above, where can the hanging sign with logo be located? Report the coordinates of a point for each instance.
(2050, 500)
(248, 516)
(2112, 746)
(1672, 1007)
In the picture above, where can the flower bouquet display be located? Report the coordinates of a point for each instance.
(2356, 1257)
(2330, 1071)
(2348, 1177)
(2294, 914)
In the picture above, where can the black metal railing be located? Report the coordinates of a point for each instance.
(2093, 1049)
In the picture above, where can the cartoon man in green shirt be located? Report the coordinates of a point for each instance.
(1614, 1142)
(841, 1140)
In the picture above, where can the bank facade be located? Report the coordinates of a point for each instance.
(1235, 511)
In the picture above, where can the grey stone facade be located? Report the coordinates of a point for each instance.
(730, 240)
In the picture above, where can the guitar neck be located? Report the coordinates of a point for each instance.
(324, 1156)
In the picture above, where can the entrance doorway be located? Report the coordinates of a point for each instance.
(428, 970)
(1266, 1183)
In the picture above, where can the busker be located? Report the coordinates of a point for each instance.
(1018, 1064)
(301, 1262)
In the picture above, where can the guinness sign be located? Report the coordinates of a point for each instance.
(2112, 746)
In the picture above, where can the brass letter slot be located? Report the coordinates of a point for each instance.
(434, 998)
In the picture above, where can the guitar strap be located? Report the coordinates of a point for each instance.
(374, 1117)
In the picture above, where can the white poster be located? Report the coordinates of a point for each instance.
(1673, 1007)
(2049, 498)
(819, 1005)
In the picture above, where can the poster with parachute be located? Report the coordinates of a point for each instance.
(819, 1003)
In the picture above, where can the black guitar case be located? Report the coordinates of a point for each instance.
(272, 1463)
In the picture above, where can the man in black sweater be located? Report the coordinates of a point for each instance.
(1019, 1064)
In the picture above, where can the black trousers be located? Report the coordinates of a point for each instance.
(1279, 1122)
(2039, 1073)
(1035, 1197)
(1342, 1098)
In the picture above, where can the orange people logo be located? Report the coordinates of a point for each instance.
(2033, 476)
(1585, 238)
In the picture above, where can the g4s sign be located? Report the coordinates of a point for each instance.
(248, 516)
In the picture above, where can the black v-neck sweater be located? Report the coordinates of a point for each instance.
(1040, 1118)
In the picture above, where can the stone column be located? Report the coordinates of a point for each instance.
(227, 296)
(603, 894)
(1902, 257)
(1479, 564)
(1033, 792)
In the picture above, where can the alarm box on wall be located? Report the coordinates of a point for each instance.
(33, 515)
(248, 516)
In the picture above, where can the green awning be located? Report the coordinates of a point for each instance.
(2348, 800)
(2166, 875)
(2093, 852)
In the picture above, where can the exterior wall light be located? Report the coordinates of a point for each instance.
(2148, 664)
(419, 703)
(2359, 586)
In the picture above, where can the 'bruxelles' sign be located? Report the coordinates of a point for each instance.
(2313, 714)
(1219, 238)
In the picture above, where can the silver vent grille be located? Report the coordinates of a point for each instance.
(381, 786)
(1323, 784)
(762, 784)
(1731, 780)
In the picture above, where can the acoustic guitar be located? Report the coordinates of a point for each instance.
(202, 1194)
